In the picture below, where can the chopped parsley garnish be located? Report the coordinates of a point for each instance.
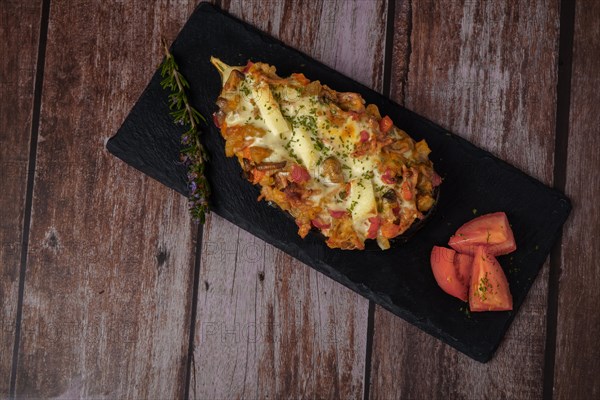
(244, 88)
(352, 205)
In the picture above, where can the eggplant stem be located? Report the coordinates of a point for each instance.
(223, 69)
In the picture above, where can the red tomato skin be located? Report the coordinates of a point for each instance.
(489, 290)
(364, 136)
(373, 228)
(385, 124)
(405, 191)
(490, 230)
(299, 174)
(247, 67)
(464, 265)
(436, 180)
(337, 213)
(216, 120)
(446, 273)
(387, 177)
(317, 223)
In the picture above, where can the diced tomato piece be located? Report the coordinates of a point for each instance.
(385, 124)
(489, 289)
(447, 274)
(364, 136)
(373, 228)
(299, 174)
(248, 65)
(317, 223)
(436, 180)
(490, 230)
(406, 191)
(337, 213)
(216, 120)
(388, 177)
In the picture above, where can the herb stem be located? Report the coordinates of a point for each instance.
(192, 154)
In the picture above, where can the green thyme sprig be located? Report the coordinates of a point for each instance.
(192, 153)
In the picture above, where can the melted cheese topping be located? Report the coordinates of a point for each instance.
(298, 130)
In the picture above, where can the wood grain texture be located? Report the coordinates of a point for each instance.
(577, 362)
(106, 309)
(267, 325)
(486, 71)
(17, 76)
(348, 36)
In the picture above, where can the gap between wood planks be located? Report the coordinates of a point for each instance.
(35, 129)
(563, 106)
(191, 362)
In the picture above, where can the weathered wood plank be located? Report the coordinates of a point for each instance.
(17, 75)
(577, 364)
(346, 35)
(269, 326)
(110, 264)
(487, 71)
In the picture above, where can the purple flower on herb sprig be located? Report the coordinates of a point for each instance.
(192, 153)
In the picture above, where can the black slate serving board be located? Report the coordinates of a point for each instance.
(399, 279)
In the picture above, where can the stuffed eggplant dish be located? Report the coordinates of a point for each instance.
(331, 162)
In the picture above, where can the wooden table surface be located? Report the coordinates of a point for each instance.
(107, 290)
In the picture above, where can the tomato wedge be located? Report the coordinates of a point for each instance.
(464, 265)
(489, 289)
(452, 271)
(490, 230)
